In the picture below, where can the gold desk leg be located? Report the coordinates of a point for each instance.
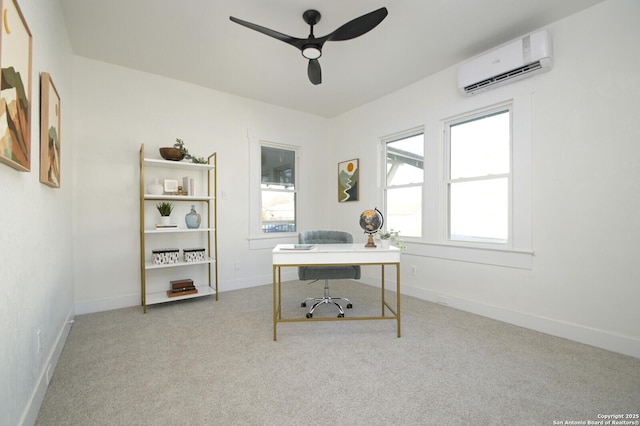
(398, 295)
(383, 304)
(279, 293)
(275, 319)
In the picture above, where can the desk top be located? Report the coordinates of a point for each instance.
(335, 254)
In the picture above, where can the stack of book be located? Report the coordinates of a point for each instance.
(182, 288)
(166, 226)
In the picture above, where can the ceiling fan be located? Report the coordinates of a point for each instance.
(311, 47)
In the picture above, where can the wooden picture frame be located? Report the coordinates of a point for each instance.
(15, 97)
(49, 132)
(170, 186)
(348, 180)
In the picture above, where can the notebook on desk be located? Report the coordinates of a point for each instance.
(298, 246)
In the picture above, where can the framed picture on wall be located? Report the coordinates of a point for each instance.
(348, 180)
(15, 98)
(49, 132)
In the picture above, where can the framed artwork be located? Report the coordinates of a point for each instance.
(348, 177)
(170, 186)
(49, 132)
(15, 95)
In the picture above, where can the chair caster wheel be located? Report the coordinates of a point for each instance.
(349, 306)
(303, 305)
(340, 315)
(309, 315)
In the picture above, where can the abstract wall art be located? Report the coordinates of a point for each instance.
(49, 132)
(15, 95)
(348, 177)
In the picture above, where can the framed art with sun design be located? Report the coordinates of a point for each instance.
(49, 132)
(15, 95)
(348, 179)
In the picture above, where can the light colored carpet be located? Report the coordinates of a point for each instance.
(204, 362)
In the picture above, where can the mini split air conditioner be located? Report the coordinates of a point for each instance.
(524, 57)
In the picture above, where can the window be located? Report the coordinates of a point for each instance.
(479, 177)
(403, 180)
(278, 189)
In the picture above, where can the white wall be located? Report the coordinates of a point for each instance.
(586, 181)
(119, 109)
(36, 276)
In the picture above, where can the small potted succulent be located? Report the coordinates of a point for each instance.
(165, 210)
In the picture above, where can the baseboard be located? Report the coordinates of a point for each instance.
(287, 274)
(30, 414)
(127, 301)
(625, 345)
(99, 305)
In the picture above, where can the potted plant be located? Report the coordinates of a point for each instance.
(390, 237)
(385, 238)
(165, 210)
(179, 145)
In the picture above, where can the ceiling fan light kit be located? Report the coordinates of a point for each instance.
(311, 52)
(311, 47)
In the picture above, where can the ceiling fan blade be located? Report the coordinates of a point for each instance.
(314, 72)
(359, 26)
(271, 33)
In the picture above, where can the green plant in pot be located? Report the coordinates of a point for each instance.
(391, 237)
(185, 151)
(165, 210)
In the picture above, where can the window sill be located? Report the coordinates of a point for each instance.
(489, 256)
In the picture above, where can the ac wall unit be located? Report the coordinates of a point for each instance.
(518, 59)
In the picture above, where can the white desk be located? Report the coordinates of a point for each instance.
(332, 255)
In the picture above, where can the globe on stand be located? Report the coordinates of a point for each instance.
(370, 222)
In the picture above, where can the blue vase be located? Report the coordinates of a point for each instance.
(192, 218)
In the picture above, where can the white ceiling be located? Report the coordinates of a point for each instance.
(194, 41)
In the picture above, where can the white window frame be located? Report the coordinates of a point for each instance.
(383, 146)
(448, 181)
(259, 240)
(435, 242)
(281, 148)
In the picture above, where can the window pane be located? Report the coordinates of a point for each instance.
(480, 147)
(278, 168)
(405, 161)
(278, 199)
(278, 211)
(404, 211)
(479, 210)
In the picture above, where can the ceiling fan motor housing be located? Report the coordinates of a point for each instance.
(311, 17)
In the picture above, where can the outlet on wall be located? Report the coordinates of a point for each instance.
(236, 265)
(414, 270)
(39, 341)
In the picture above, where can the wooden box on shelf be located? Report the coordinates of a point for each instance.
(181, 288)
(179, 284)
(182, 292)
